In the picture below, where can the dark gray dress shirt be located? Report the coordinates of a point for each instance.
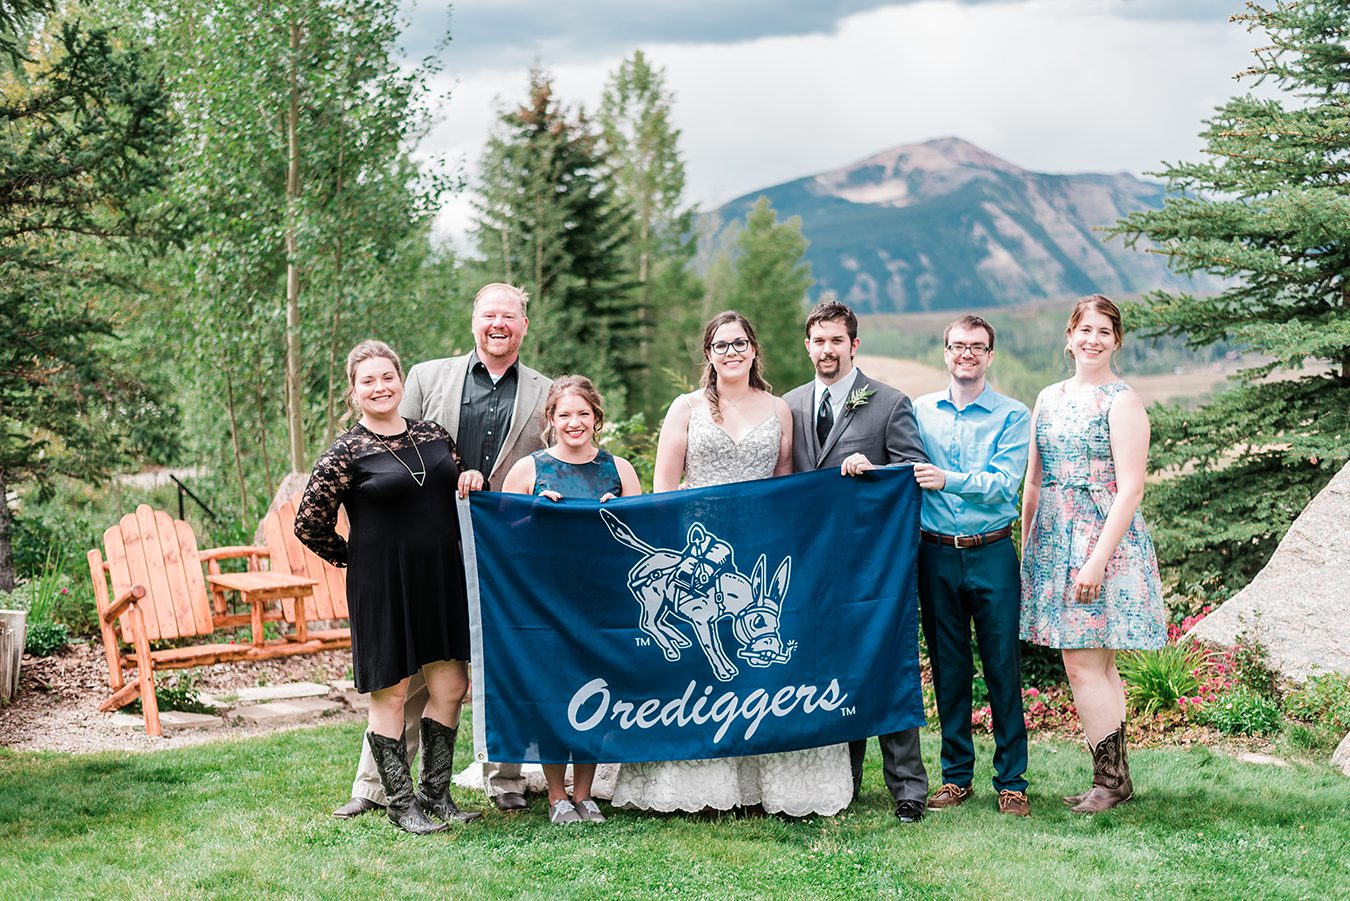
(485, 414)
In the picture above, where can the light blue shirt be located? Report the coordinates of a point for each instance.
(983, 451)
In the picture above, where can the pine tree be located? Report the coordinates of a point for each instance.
(1269, 210)
(86, 131)
(642, 148)
(548, 221)
(772, 278)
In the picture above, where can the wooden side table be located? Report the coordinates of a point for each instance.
(258, 589)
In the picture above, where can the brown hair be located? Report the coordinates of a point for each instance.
(832, 311)
(367, 350)
(969, 321)
(709, 379)
(1095, 303)
(503, 287)
(583, 388)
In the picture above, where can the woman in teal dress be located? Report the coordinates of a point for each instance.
(1090, 581)
(572, 465)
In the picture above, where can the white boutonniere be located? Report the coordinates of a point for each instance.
(858, 397)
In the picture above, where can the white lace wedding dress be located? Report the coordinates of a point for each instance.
(796, 783)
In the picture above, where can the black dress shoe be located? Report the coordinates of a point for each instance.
(511, 802)
(909, 811)
(355, 807)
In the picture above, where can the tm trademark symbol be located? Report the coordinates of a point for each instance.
(642, 642)
(848, 711)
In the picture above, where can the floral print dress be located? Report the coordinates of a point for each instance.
(1078, 487)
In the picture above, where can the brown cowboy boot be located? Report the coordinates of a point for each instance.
(1110, 775)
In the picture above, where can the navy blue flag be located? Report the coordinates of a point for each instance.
(737, 619)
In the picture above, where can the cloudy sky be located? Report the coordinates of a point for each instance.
(770, 90)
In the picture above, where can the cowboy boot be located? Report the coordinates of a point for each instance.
(438, 757)
(1110, 775)
(391, 759)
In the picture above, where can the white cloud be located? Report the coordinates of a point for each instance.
(1051, 85)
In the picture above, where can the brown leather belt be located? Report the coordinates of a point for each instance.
(967, 541)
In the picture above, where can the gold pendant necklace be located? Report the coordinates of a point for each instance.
(419, 477)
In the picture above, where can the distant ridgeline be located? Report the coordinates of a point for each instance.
(944, 225)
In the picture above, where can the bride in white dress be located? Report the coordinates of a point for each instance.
(733, 430)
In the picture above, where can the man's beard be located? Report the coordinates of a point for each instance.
(830, 373)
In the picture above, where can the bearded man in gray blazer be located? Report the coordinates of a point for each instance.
(494, 406)
(842, 418)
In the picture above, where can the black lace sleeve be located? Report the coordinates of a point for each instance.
(316, 518)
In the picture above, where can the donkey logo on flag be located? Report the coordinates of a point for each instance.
(702, 585)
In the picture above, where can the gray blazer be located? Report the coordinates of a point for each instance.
(433, 390)
(884, 429)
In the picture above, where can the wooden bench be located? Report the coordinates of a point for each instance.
(287, 555)
(151, 587)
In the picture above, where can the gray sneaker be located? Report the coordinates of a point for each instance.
(589, 811)
(562, 813)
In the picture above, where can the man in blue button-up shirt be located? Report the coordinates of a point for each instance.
(977, 442)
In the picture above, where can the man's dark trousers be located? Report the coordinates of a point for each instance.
(958, 586)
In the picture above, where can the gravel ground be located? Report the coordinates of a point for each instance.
(56, 708)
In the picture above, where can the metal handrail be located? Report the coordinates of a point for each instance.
(185, 490)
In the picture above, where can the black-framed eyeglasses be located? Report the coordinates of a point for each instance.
(722, 348)
(959, 349)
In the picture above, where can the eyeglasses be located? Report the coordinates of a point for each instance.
(959, 350)
(722, 348)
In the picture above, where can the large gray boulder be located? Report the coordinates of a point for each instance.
(1341, 759)
(1299, 605)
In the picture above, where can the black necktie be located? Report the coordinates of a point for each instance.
(824, 417)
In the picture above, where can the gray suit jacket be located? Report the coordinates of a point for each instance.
(433, 390)
(884, 429)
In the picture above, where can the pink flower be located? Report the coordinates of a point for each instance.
(1031, 692)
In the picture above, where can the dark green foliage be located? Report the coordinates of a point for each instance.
(179, 691)
(1042, 667)
(1267, 211)
(769, 287)
(16, 20)
(46, 638)
(1324, 700)
(1241, 711)
(84, 134)
(548, 221)
(641, 146)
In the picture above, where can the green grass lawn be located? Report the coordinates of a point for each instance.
(250, 819)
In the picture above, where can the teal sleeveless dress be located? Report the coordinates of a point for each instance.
(591, 480)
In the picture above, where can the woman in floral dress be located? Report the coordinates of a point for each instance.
(1090, 581)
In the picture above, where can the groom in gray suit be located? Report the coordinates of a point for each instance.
(842, 418)
(494, 406)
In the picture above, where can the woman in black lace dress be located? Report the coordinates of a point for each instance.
(397, 480)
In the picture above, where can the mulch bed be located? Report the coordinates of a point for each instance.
(56, 708)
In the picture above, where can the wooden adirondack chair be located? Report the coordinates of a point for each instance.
(288, 555)
(151, 588)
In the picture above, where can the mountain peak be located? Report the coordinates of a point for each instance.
(911, 172)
